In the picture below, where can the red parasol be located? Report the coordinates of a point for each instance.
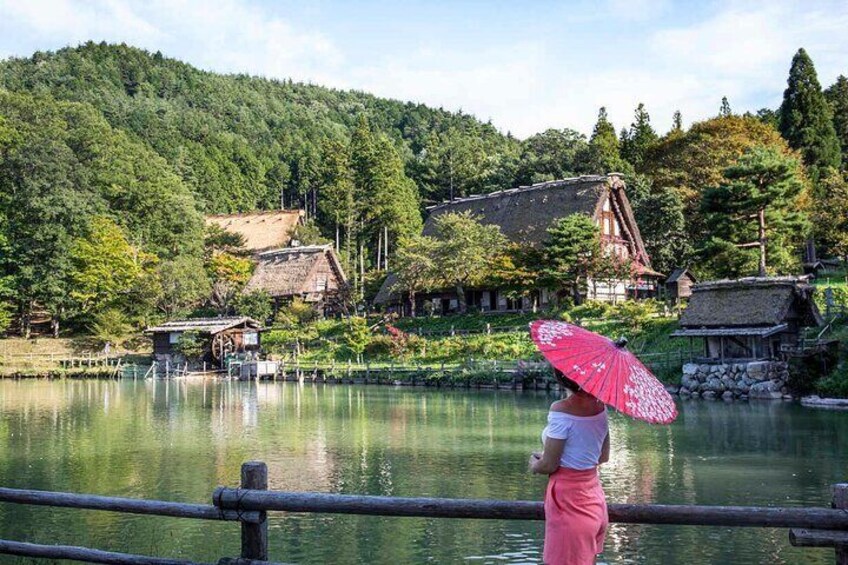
(605, 369)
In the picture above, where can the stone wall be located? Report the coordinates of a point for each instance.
(754, 379)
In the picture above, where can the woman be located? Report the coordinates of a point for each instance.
(576, 441)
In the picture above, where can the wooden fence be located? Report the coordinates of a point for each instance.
(251, 501)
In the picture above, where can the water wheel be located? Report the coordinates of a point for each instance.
(222, 345)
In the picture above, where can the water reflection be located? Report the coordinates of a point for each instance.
(178, 440)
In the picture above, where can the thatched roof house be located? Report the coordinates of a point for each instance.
(524, 214)
(309, 272)
(751, 317)
(221, 337)
(261, 230)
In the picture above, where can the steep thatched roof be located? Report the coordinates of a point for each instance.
(287, 272)
(204, 325)
(261, 230)
(524, 214)
(751, 302)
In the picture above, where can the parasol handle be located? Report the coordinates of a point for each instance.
(621, 342)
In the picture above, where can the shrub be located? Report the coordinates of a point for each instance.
(190, 345)
(110, 326)
(296, 313)
(255, 304)
(636, 313)
(591, 309)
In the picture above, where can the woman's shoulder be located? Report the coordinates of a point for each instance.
(564, 408)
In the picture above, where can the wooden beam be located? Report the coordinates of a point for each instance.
(744, 516)
(112, 504)
(84, 554)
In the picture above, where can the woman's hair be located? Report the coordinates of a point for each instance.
(566, 382)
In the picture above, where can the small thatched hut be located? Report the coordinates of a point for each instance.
(311, 272)
(678, 285)
(220, 337)
(261, 230)
(751, 318)
(524, 215)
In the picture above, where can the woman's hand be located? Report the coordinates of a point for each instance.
(534, 458)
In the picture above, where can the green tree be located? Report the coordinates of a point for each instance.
(641, 136)
(662, 224)
(257, 305)
(517, 270)
(604, 154)
(357, 336)
(191, 345)
(758, 207)
(725, 110)
(183, 286)
(837, 97)
(110, 326)
(677, 122)
(105, 267)
(415, 267)
(570, 254)
(465, 251)
(550, 155)
(830, 214)
(228, 274)
(806, 121)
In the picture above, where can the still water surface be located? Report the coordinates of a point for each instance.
(178, 440)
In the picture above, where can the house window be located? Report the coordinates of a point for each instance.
(321, 284)
(251, 338)
(174, 337)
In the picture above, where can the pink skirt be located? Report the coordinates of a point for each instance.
(575, 517)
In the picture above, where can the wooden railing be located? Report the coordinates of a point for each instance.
(249, 504)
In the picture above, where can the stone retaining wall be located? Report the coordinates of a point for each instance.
(754, 379)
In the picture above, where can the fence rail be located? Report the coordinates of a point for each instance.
(248, 505)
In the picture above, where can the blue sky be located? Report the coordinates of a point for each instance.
(526, 66)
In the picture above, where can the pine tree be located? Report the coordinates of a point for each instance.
(837, 97)
(725, 110)
(756, 207)
(805, 117)
(640, 137)
(677, 121)
(604, 154)
(571, 253)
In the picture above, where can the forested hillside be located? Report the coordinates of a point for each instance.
(109, 139)
(241, 143)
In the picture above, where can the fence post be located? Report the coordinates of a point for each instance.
(254, 537)
(840, 501)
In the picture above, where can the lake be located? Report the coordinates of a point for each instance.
(178, 440)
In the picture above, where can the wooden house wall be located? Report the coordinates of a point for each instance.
(162, 343)
(323, 275)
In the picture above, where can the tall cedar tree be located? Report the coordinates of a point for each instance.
(662, 224)
(724, 111)
(677, 122)
(639, 139)
(837, 97)
(466, 251)
(805, 117)
(570, 254)
(757, 208)
(604, 152)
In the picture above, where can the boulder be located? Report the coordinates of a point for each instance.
(690, 369)
(727, 395)
(766, 389)
(758, 370)
(708, 394)
(714, 385)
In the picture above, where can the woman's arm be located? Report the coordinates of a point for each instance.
(549, 460)
(605, 451)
